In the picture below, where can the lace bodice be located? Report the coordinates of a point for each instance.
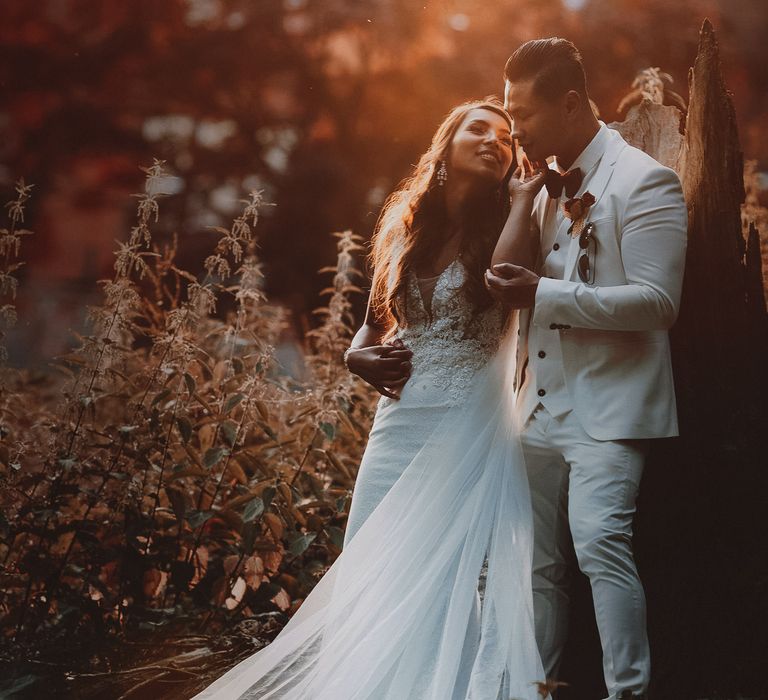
(451, 341)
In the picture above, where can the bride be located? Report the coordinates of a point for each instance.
(441, 493)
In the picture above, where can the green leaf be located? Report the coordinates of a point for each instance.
(197, 517)
(185, 428)
(328, 429)
(267, 495)
(178, 502)
(300, 543)
(336, 535)
(249, 533)
(165, 393)
(15, 686)
(232, 401)
(229, 430)
(67, 464)
(253, 510)
(213, 455)
(268, 430)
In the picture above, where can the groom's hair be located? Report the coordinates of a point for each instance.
(553, 64)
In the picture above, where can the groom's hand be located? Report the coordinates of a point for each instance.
(512, 285)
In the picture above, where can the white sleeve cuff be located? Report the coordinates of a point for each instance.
(545, 303)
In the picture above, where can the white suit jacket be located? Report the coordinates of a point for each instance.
(613, 332)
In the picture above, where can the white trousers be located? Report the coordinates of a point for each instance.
(589, 487)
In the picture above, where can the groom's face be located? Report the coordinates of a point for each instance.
(539, 124)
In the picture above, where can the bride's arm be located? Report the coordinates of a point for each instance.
(517, 243)
(511, 279)
(384, 367)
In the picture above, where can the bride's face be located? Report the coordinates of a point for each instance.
(482, 147)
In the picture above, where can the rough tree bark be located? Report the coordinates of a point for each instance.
(655, 129)
(701, 533)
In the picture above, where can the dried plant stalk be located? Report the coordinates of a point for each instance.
(190, 472)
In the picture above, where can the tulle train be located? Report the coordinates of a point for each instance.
(398, 615)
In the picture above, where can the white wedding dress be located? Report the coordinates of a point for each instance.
(441, 490)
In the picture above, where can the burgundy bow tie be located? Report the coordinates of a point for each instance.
(570, 181)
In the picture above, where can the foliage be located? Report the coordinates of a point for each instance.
(320, 104)
(181, 471)
(10, 246)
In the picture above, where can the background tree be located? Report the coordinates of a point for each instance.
(322, 104)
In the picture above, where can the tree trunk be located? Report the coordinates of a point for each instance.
(754, 262)
(701, 535)
(655, 129)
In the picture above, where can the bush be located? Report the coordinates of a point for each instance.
(178, 469)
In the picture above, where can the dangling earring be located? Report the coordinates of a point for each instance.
(442, 174)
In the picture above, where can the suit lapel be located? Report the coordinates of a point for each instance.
(597, 186)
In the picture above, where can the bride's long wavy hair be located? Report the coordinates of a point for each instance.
(414, 219)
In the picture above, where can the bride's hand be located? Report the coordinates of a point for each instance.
(528, 179)
(385, 367)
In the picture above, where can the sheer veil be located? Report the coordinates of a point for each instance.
(398, 616)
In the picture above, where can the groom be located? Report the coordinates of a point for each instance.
(594, 374)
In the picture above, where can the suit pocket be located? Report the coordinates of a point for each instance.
(624, 358)
(603, 223)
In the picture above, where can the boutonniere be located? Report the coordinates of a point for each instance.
(576, 209)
